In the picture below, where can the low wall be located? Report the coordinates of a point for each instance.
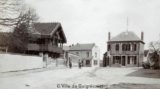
(9, 62)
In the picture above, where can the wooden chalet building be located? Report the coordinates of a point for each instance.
(46, 38)
(125, 49)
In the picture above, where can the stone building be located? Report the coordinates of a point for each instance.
(125, 49)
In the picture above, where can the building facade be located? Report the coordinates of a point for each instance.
(125, 49)
(46, 38)
(43, 38)
(89, 54)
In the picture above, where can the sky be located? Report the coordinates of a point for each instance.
(89, 21)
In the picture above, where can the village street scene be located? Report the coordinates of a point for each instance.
(79, 44)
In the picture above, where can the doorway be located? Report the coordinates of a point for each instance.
(123, 61)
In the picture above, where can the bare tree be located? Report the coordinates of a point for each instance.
(9, 11)
(19, 38)
(154, 57)
(28, 16)
(15, 14)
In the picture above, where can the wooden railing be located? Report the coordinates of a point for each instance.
(34, 47)
(48, 48)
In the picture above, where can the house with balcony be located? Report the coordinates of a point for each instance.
(89, 54)
(125, 49)
(46, 38)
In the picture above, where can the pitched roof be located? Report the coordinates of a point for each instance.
(126, 36)
(48, 29)
(82, 47)
(45, 28)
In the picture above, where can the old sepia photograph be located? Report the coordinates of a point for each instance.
(79, 44)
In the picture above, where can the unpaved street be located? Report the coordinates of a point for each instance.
(65, 78)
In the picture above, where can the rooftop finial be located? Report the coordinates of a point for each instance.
(127, 24)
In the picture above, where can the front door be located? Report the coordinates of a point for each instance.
(88, 63)
(123, 60)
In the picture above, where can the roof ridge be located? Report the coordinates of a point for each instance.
(86, 46)
(85, 43)
(45, 22)
(126, 36)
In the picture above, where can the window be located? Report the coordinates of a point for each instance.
(87, 54)
(95, 54)
(116, 59)
(131, 47)
(117, 47)
(126, 47)
(77, 53)
(109, 47)
(135, 47)
(135, 60)
(123, 47)
(87, 62)
(95, 62)
(128, 60)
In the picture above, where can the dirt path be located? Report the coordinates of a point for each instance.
(75, 78)
(110, 76)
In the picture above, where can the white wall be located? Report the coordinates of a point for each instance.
(82, 54)
(95, 50)
(9, 62)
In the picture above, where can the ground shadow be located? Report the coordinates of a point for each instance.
(148, 73)
(134, 86)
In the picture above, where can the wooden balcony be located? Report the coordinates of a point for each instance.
(33, 47)
(44, 48)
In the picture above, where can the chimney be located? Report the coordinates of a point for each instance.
(109, 35)
(142, 35)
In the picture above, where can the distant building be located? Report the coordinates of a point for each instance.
(89, 54)
(70, 57)
(125, 49)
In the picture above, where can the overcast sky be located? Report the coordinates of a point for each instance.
(89, 21)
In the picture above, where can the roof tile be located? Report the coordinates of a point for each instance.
(45, 28)
(126, 36)
(82, 47)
